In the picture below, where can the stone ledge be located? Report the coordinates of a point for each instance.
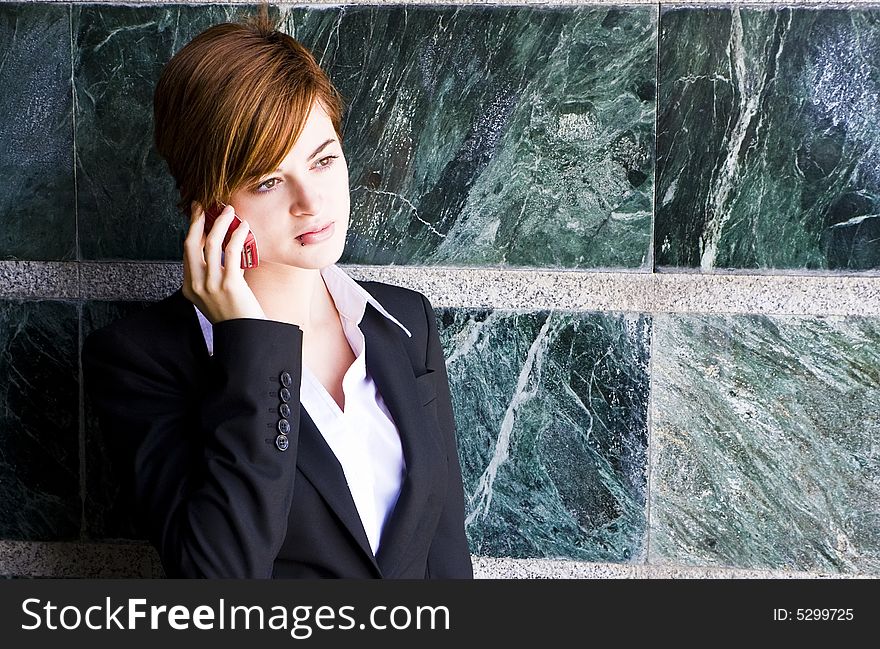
(495, 568)
(477, 3)
(139, 560)
(78, 560)
(513, 289)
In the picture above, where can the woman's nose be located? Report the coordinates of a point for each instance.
(306, 200)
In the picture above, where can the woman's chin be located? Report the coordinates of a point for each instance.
(306, 260)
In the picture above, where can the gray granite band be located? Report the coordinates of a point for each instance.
(538, 3)
(492, 568)
(78, 560)
(520, 289)
(139, 560)
(39, 279)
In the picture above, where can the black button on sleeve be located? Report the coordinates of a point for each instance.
(283, 426)
(286, 380)
(284, 395)
(282, 442)
(284, 410)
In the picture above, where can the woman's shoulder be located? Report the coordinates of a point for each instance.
(406, 304)
(392, 295)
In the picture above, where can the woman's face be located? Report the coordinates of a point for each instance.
(299, 214)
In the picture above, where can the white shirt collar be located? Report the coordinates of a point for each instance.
(351, 301)
(351, 298)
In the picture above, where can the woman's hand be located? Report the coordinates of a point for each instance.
(218, 291)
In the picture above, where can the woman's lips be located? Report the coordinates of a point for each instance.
(320, 235)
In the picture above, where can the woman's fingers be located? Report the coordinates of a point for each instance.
(233, 250)
(214, 248)
(221, 293)
(193, 248)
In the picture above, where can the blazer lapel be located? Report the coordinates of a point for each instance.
(318, 463)
(389, 366)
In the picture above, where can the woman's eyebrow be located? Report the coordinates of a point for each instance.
(314, 153)
(320, 148)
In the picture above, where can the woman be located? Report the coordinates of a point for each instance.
(282, 420)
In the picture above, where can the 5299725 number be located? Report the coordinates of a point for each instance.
(823, 614)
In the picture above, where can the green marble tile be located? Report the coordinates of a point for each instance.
(39, 421)
(475, 136)
(107, 509)
(37, 217)
(764, 442)
(502, 136)
(551, 411)
(768, 145)
(125, 196)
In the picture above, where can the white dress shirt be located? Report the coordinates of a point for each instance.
(363, 436)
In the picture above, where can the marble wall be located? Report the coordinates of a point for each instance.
(601, 141)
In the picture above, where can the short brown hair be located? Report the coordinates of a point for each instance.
(230, 105)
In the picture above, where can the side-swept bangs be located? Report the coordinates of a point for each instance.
(231, 104)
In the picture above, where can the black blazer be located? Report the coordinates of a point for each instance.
(213, 490)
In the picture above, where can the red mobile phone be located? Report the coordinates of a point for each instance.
(249, 256)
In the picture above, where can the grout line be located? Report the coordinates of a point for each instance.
(649, 473)
(649, 417)
(73, 106)
(82, 425)
(78, 288)
(655, 189)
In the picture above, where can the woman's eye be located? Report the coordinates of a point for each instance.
(326, 161)
(269, 185)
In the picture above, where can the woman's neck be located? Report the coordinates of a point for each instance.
(289, 294)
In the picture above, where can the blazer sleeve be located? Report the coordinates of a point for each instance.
(449, 556)
(212, 487)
